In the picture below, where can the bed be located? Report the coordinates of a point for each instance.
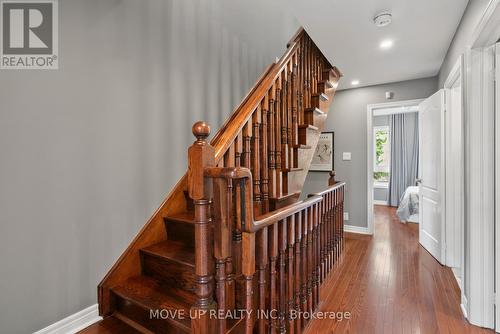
(408, 206)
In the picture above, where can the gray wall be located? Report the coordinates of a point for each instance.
(462, 39)
(347, 117)
(89, 151)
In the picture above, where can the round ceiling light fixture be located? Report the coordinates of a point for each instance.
(383, 19)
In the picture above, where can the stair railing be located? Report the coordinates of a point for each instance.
(291, 249)
(262, 133)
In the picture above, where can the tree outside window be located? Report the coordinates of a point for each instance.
(382, 154)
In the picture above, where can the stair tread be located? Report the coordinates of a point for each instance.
(291, 170)
(302, 146)
(150, 294)
(183, 217)
(327, 83)
(284, 197)
(322, 96)
(172, 250)
(109, 325)
(316, 110)
(308, 126)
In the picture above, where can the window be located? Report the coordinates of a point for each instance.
(381, 154)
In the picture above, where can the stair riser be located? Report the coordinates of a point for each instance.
(318, 102)
(324, 88)
(304, 135)
(180, 231)
(172, 273)
(314, 118)
(329, 75)
(143, 317)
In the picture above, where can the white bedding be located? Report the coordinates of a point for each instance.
(408, 206)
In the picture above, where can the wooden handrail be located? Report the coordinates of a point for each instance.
(229, 131)
(327, 190)
(249, 223)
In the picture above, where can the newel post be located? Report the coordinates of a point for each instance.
(200, 156)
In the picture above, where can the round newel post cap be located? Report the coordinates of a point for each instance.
(332, 173)
(201, 130)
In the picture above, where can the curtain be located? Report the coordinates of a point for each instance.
(404, 155)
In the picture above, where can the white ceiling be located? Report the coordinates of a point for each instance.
(422, 31)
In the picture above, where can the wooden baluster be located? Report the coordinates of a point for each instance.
(327, 231)
(229, 157)
(336, 234)
(256, 121)
(248, 271)
(200, 156)
(337, 230)
(306, 74)
(289, 112)
(237, 237)
(277, 137)
(314, 85)
(315, 66)
(309, 72)
(303, 261)
(272, 143)
(262, 256)
(300, 84)
(284, 125)
(238, 149)
(333, 215)
(310, 265)
(223, 192)
(264, 155)
(322, 238)
(282, 247)
(295, 121)
(342, 195)
(273, 256)
(317, 251)
(298, 269)
(291, 272)
(247, 145)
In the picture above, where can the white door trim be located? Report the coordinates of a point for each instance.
(453, 241)
(478, 303)
(497, 189)
(479, 188)
(379, 109)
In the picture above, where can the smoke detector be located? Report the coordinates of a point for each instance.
(382, 19)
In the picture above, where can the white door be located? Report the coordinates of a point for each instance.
(431, 224)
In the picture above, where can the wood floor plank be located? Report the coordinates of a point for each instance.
(390, 284)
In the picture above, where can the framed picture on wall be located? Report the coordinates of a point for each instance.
(322, 160)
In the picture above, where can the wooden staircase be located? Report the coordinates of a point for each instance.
(203, 251)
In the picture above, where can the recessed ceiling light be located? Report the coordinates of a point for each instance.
(386, 44)
(355, 82)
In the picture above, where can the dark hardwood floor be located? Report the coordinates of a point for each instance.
(390, 284)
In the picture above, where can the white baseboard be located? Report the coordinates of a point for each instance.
(356, 229)
(74, 323)
(463, 306)
(376, 202)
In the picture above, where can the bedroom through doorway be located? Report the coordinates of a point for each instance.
(393, 159)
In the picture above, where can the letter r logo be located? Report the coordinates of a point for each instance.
(27, 28)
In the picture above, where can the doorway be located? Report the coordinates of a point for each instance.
(385, 123)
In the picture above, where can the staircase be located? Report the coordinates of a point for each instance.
(232, 238)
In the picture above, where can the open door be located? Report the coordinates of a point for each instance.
(431, 171)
